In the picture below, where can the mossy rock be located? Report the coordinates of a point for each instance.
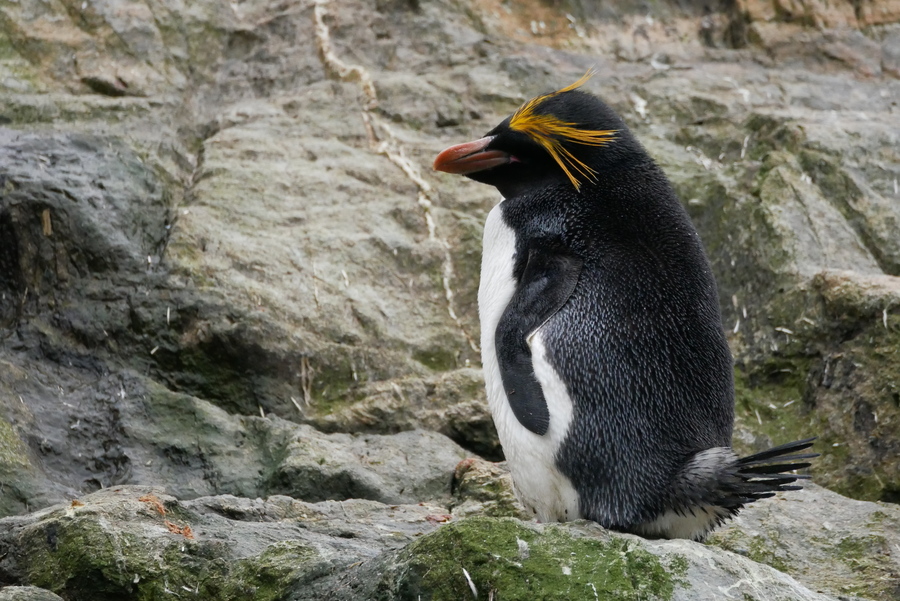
(144, 548)
(17, 474)
(832, 370)
(505, 559)
(484, 488)
(828, 542)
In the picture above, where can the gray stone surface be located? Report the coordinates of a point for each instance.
(131, 542)
(27, 593)
(194, 448)
(399, 468)
(824, 540)
(135, 542)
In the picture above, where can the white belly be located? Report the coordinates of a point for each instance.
(532, 458)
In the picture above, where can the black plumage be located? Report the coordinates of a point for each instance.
(609, 268)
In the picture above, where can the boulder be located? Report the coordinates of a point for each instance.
(137, 542)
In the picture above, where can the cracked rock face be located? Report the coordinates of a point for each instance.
(228, 272)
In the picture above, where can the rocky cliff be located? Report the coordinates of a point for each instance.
(238, 327)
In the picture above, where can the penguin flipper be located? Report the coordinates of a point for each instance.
(549, 278)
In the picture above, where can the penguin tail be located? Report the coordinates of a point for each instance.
(715, 484)
(763, 474)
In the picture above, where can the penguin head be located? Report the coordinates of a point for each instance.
(567, 137)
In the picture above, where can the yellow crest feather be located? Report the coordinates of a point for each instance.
(550, 132)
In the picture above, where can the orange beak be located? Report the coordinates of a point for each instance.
(470, 157)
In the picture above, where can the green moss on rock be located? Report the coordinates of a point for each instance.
(832, 371)
(772, 133)
(762, 551)
(507, 560)
(12, 452)
(769, 400)
(17, 474)
(268, 576)
(86, 556)
(484, 488)
(438, 357)
(79, 557)
(765, 549)
(870, 558)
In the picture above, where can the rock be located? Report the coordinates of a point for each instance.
(401, 468)
(771, 273)
(337, 283)
(27, 593)
(484, 488)
(890, 54)
(823, 540)
(128, 429)
(879, 12)
(24, 486)
(135, 542)
(138, 542)
(74, 205)
(826, 237)
(855, 50)
(834, 373)
(818, 31)
(114, 50)
(827, 15)
(518, 561)
(821, 14)
(453, 403)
